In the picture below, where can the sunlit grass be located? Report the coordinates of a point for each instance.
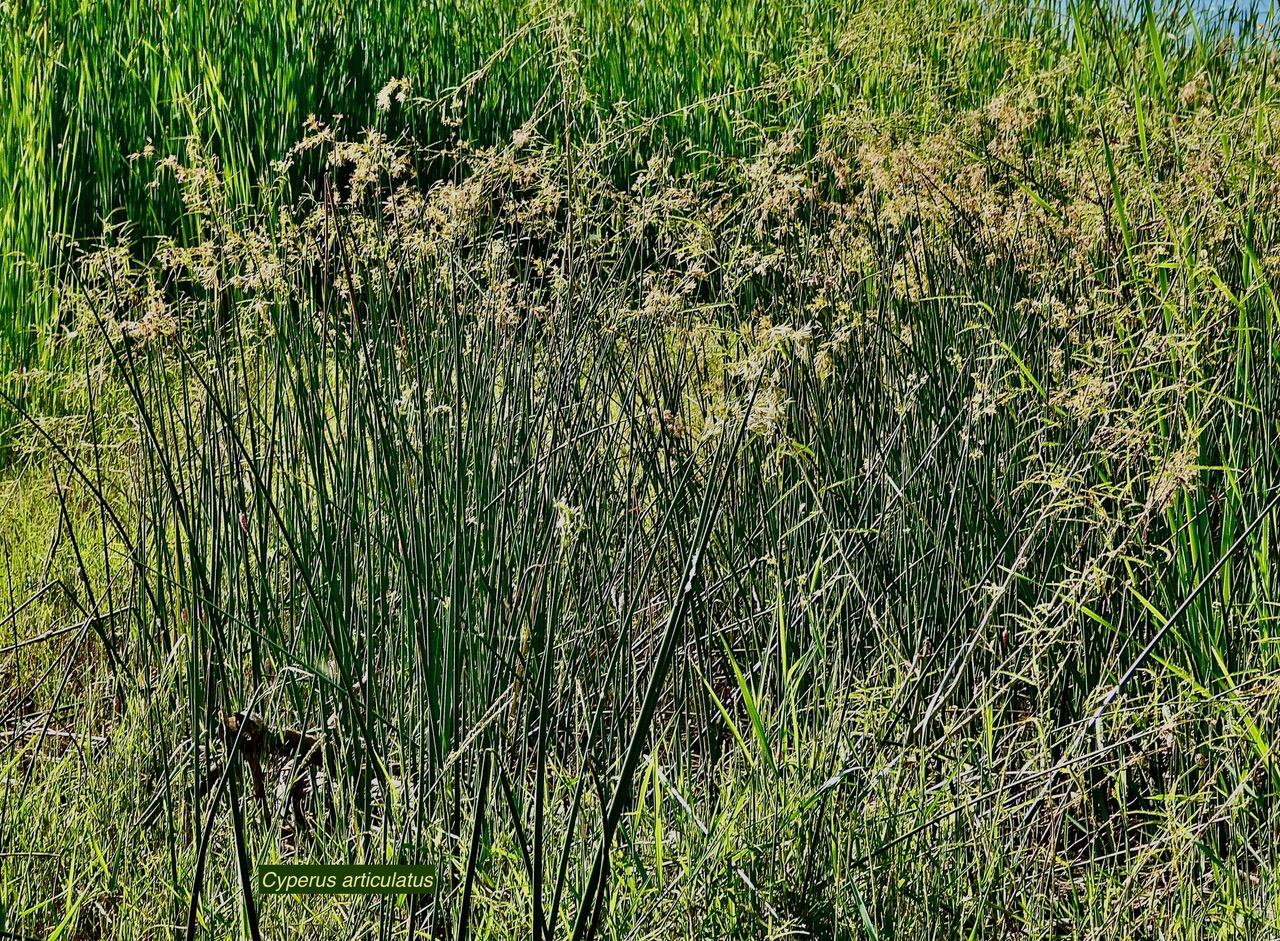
(845, 508)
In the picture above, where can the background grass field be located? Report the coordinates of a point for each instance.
(683, 470)
(91, 83)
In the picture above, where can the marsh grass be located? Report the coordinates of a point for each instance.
(863, 530)
(89, 84)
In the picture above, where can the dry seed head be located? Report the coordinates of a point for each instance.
(1177, 475)
(397, 89)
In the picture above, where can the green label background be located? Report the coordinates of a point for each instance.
(346, 880)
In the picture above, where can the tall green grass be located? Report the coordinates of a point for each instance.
(869, 534)
(92, 83)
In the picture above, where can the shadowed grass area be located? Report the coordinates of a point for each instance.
(843, 509)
